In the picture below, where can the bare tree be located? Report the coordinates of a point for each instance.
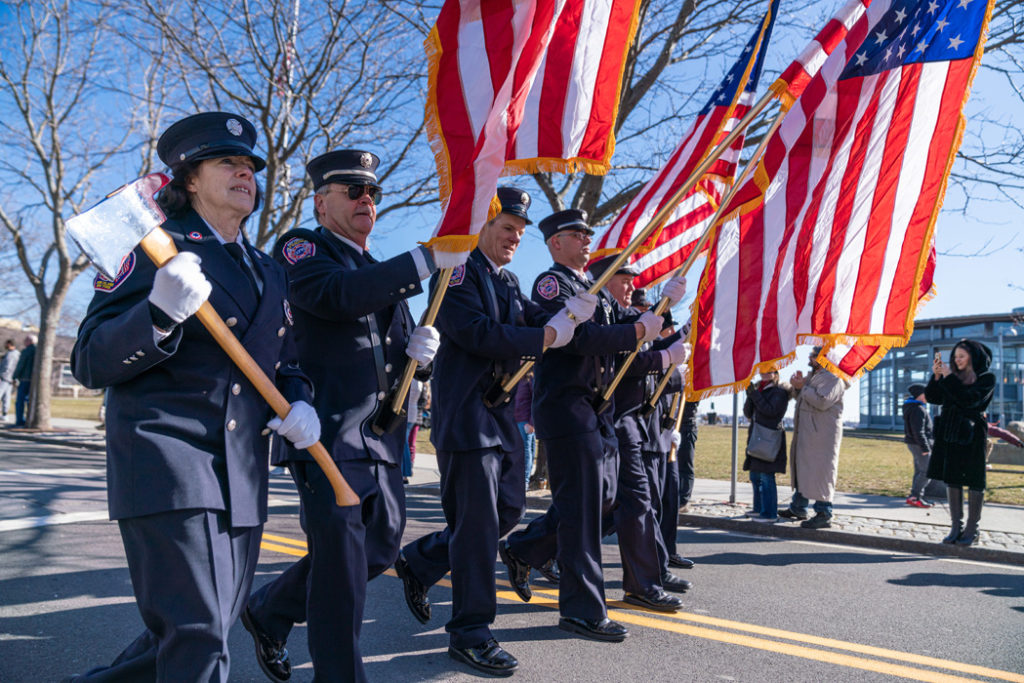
(57, 75)
(312, 76)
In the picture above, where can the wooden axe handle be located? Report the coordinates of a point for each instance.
(159, 247)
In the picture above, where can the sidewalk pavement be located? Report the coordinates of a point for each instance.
(860, 520)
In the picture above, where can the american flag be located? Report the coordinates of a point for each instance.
(831, 240)
(518, 86)
(669, 247)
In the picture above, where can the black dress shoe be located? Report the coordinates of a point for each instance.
(271, 654)
(603, 629)
(671, 582)
(549, 570)
(789, 514)
(415, 594)
(679, 561)
(488, 657)
(518, 571)
(657, 600)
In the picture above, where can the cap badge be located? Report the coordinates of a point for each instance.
(366, 160)
(234, 127)
(524, 198)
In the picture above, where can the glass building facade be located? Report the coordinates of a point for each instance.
(883, 389)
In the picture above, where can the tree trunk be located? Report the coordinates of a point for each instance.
(42, 373)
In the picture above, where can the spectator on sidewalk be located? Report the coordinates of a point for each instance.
(412, 427)
(964, 389)
(524, 419)
(917, 434)
(23, 378)
(7, 365)
(766, 405)
(817, 432)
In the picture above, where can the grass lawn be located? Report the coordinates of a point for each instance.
(79, 408)
(873, 466)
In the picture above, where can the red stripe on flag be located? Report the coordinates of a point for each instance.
(606, 85)
(555, 91)
(525, 71)
(748, 290)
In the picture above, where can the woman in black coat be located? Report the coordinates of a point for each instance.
(964, 389)
(766, 405)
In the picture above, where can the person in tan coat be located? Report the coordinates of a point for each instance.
(817, 432)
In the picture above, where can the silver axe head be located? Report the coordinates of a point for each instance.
(109, 231)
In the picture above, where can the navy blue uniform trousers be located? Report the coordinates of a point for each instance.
(347, 547)
(666, 499)
(633, 520)
(187, 567)
(582, 470)
(483, 497)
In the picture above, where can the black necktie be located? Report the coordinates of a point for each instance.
(235, 250)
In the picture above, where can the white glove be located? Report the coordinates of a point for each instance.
(674, 290)
(423, 344)
(180, 287)
(677, 439)
(582, 306)
(652, 326)
(301, 426)
(676, 354)
(563, 326)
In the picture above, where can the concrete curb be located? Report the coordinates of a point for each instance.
(540, 503)
(44, 437)
(892, 543)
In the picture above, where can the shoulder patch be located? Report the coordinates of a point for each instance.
(458, 275)
(298, 249)
(101, 283)
(548, 287)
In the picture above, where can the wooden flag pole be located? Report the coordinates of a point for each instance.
(660, 389)
(388, 422)
(677, 409)
(659, 218)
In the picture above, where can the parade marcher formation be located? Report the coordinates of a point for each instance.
(190, 440)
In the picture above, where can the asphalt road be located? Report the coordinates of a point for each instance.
(761, 609)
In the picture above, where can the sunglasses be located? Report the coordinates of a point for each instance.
(357, 191)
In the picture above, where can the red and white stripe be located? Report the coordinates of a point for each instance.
(791, 83)
(484, 57)
(836, 248)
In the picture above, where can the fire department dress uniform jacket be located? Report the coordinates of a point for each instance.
(184, 425)
(186, 449)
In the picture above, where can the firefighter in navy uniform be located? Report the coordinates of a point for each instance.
(187, 449)
(633, 518)
(353, 333)
(580, 442)
(487, 329)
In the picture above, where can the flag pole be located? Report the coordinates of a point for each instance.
(677, 410)
(682, 270)
(656, 222)
(388, 418)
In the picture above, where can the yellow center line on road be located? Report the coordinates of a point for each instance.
(623, 612)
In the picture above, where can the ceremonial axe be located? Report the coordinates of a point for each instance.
(130, 217)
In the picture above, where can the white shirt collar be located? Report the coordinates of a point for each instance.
(495, 266)
(220, 238)
(346, 241)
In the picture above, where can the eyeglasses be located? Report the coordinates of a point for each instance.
(357, 191)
